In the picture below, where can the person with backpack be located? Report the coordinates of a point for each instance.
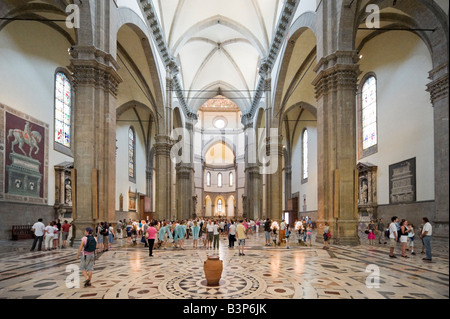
(87, 248)
(104, 231)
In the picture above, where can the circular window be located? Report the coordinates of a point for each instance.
(220, 123)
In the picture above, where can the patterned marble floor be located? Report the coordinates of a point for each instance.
(274, 272)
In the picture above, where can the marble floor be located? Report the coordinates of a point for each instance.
(274, 272)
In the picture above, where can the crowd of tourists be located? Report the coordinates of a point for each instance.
(54, 236)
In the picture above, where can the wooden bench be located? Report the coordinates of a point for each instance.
(22, 232)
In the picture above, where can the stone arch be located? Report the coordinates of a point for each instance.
(217, 140)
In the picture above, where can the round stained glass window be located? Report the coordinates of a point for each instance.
(220, 123)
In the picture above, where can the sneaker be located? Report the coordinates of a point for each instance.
(426, 259)
(87, 283)
(392, 256)
(413, 253)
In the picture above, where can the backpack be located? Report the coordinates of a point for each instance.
(91, 244)
(104, 231)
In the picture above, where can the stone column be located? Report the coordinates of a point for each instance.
(163, 145)
(335, 86)
(287, 183)
(438, 89)
(95, 83)
(274, 186)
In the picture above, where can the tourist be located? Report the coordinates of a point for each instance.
(55, 236)
(257, 226)
(420, 236)
(326, 236)
(371, 229)
(87, 246)
(129, 231)
(267, 231)
(282, 231)
(216, 235)
(111, 236)
(393, 236)
(275, 231)
(308, 235)
(404, 231)
(231, 235)
(210, 233)
(195, 232)
(182, 233)
(288, 233)
(119, 229)
(144, 228)
(241, 236)
(151, 231)
(65, 233)
(427, 232)
(105, 232)
(204, 234)
(38, 228)
(381, 231)
(49, 230)
(411, 237)
(222, 227)
(134, 233)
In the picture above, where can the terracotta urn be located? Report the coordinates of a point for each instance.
(213, 270)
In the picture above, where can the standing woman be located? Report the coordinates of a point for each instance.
(111, 236)
(404, 232)
(151, 238)
(326, 231)
(195, 233)
(134, 233)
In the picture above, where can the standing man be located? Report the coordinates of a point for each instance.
(210, 233)
(38, 229)
(87, 246)
(381, 230)
(267, 231)
(241, 236)
(119, 229)
(282, 233)
(427, 231)
(65, 233)
(231, 235)
(393, 236)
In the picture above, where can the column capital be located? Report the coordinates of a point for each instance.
(438, 88)
(163, 145)
(337, 71)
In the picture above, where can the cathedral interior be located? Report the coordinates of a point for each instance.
(330, 111)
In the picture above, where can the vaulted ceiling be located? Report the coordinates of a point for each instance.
(218, 45)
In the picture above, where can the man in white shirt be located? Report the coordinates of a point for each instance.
(393, 236)
(209, 233)
(38, 229)
(216, 235)
(427, 231)
(231, 235)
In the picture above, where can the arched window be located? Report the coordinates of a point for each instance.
(208, 179)
(219, 205)
(131, 154)
(219, 180)
(369, 114)
(305, 163)
(231, 179)
(63, 110)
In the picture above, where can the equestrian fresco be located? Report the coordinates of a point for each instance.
(24, 157)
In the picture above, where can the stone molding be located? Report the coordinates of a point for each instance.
(438, 89)
(338, 77)
(163, 145)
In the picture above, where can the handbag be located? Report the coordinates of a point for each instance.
(366, 231)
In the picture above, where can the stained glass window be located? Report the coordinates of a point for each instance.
(369, 113)
(305, 154)
(131, 153)
(63, 110)
(219, 180)
(231, 179)
(208, 179)
(219, 205)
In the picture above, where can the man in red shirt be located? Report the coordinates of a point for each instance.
(65, 232)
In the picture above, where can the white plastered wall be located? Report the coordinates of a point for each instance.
(401, 62)
(30, 53)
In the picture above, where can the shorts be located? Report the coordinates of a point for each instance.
(392, 242)
(403, 239)
(87, 262)
(241, 242)
(267, 235)
(100, 239)
(65, 235)
(210, 236)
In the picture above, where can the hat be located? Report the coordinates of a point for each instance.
(89, 230)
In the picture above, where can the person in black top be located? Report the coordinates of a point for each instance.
(267, 231)
(404, 232)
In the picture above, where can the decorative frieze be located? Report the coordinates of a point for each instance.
(438, 89)
(338, 77)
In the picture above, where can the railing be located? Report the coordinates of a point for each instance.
(22, 232)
